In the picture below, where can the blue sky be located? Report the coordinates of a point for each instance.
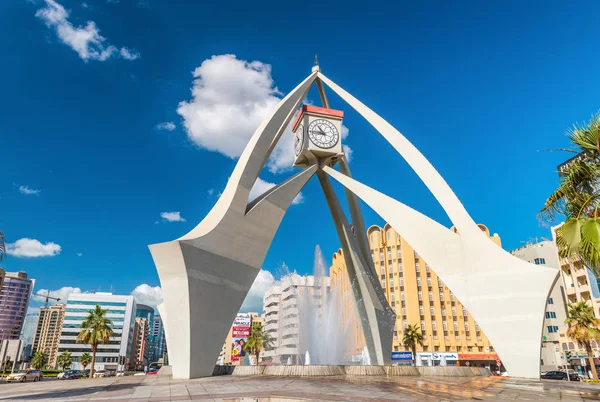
(95, 144)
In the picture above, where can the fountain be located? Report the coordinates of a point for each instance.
(365, 358)
(323, 330)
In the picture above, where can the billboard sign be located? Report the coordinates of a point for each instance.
(402, 356)
(241, 326)
(438, 356)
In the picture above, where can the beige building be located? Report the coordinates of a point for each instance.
(141, 331)
(419, 297)
(48, 331)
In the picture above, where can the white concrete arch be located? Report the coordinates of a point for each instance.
(505, 295)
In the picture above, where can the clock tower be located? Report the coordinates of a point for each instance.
(317, 135)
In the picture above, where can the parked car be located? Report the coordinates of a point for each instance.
(72, 375)
(153, 371)
(24, 375)
(101, 374)
(86, 373)
(120, 373)
(560, 375)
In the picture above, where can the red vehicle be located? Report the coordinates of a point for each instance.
(153, 371)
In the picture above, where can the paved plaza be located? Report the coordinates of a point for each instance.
(229, 388)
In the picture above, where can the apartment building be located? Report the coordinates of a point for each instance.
(48, 330)
(419, 296)
(14, 301)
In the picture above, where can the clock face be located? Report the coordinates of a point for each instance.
(299, 139)
(323, 133)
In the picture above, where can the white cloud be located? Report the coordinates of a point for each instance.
(26, 247)
(167, 125)
(230, 97)
(172, 216)
(85, 40)
(254, 300)
(62, 294)
(211, 191)
(29, 191)
(84, 5)
(260, 186)
(146, 294)
(79, 254)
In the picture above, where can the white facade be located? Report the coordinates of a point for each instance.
(121, 311)
(285, 307)
(553, 332)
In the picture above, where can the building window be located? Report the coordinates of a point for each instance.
(432, 311)
(421, 311)
(445, 325)
(552, 329)
(550, 314)
(420, 296)
(402, 296)
(430, 296)
(539, 261)
(419, 282)
(422, 325)
(434, 326)
(456, 326)
(550, 300)
(429, 282)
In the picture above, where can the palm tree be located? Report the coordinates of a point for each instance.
(411, 337)
(64, 360)
(85, 359)
(584, 328)
(39, 360)
(577, 198)
(2, 246)
(258, 340)
(96, 329)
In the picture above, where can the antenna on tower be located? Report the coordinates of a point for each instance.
(316, 60)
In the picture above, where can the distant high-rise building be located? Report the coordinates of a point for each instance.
(140, 340)
(147, 313)
(121, 311)
(546, 253)
(14, 300)
(158, 338)
(48, 331)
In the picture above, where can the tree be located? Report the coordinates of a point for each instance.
(411, 337)
(577, 198)
(6, 363)
(39, 360)
(95, 329)
(258, 340)
(85, 359)
(584, 328)
(64, 360)
(2, 246)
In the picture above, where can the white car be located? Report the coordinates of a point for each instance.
(24, 375)
(100, 374)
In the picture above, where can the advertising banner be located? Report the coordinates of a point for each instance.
(241, 326)
(438, 356)
(402, 356)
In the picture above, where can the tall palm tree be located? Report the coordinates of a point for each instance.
(577, 198)
(411, 337)
(584, 328)
(85, 359)
(258, 340)
(95, 329)
(2, 246)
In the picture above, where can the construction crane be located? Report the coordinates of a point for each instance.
(49, 297)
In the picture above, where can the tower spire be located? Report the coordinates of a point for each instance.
(316, 60)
